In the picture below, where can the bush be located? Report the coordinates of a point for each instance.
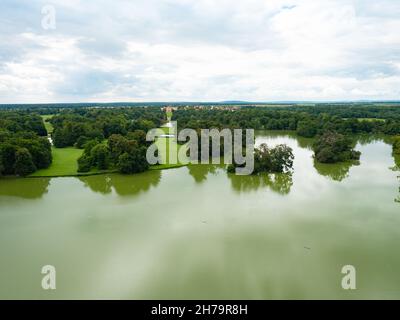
(82, 140)
(306, 129)
(100, 156)
(23, 163)
(133, 162)
(84, 163)
(332, 147)
(270, 160)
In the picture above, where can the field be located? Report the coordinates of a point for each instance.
(64, 164)
(48, 125)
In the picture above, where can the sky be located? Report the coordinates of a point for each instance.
(200, 50)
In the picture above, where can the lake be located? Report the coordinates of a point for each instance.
(198, 233)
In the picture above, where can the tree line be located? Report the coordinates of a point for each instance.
(307, 122)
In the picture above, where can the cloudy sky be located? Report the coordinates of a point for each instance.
(199, 50)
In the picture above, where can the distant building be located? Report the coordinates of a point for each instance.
(168, 109)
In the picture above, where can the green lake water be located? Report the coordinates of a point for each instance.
(198, 233)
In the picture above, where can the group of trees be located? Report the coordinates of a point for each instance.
(332, 147)
(22, 121)
(308, 121)
(127, 154)
(75, 127)
(23, 145)
(270, 160)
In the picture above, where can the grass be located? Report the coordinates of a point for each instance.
(65, 164)
(48, 125)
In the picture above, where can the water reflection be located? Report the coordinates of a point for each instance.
(335, 171)
(367, 139)
(199, 172)
(397, 168)
(305, 143)
(279, 183)
(124, 185)
(26, 188)
(397, 161)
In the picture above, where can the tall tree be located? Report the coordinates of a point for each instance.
(23, 163)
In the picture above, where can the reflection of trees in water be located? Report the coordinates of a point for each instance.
(364, 139)
(199, 172)
(98, 183)
(305, 143)
(397, 161)
(124, 185)
(335, 171)
(27, 188)
(397, 168)
(280, 183)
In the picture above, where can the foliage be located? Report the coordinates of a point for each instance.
(307, 128)
(308, 121)
(396, 145)
(126, 155)
(332, 147)
(270, 160)
(23, 163)
(75, 126)
(133, 162)
(100, 156)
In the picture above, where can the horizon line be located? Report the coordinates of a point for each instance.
(211, 102)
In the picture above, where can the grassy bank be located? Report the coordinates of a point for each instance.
(64, 163)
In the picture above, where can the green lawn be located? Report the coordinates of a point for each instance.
(64, 163)
(48, 125)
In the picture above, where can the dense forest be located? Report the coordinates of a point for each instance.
(307, 121)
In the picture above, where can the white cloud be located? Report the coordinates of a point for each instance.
(200, 50)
